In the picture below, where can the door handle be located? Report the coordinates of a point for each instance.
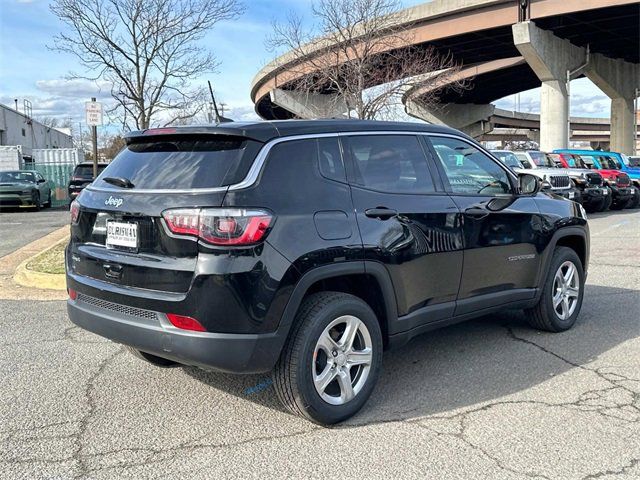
(380, 212)
(476, 212)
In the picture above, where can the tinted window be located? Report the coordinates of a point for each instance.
(181, 163)
(469, 170)
(12, 177)
(330, 159)
(390, 163)
(87, 170)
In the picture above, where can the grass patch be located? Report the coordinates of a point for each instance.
(51, 261)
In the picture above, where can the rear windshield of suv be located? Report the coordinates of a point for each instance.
(86, 170)
(182, 163)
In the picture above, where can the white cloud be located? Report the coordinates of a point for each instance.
(75, 88)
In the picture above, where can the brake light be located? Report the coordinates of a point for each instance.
(220, 226)
(72, 294)
(159, 131)
(185, 323)
(74, 209)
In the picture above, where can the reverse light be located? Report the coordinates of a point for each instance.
(185, 323)
(74, 210)
(220, 226)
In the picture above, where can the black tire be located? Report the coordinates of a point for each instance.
(36, 201)
(607, 203)
(544, 316)
(152, 359)
(635, 200)
(48, 202)
(619, 205)
(595, 207)
(293, 373)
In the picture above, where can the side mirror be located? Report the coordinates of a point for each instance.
(529, 184)
(42, 180)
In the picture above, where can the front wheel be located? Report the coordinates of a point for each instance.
(635, 200)
(562, 292)
(332, 359)
(48, 203)
(35, 200)
(607, 203)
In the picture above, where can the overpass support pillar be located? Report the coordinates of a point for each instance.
(550, 58)
(309, 105)
(620, 81)
(472, 119)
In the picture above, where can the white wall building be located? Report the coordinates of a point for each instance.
(16, 128)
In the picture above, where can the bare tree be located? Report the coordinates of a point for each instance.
(147, 49)
(359, 52)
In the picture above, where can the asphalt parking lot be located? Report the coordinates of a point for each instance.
(488, 399)
(22, 226)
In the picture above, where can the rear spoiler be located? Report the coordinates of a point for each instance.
(262, 133)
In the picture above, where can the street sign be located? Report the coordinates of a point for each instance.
(93, 111)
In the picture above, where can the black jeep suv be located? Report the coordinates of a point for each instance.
(306, 248)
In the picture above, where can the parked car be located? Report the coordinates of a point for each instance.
(307, 247)
(634, 161)
(595, 196)
(81, 177)
(555, 179)
(623, 193)
(24, 188)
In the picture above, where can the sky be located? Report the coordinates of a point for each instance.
(30, 70)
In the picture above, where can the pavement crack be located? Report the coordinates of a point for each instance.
(86, 418)
(621, 471)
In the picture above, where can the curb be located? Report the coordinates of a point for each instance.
(9, 289)
(32, 279)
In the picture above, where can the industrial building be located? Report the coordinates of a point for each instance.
(20, 129)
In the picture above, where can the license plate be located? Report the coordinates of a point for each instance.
(633, 191)
(121, 234)
(572, 194)
(605, 191)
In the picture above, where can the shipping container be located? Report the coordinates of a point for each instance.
(56, 165)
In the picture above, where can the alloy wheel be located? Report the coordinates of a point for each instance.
(566, 290)
(342, 360)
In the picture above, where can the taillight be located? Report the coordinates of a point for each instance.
(185, 323)
(220, 226)
(74, 209)
(72, 294)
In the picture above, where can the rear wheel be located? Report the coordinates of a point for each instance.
(619, 205)
(332, 359)
(152, 359)
(562, 293)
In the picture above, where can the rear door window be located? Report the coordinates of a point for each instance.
(390, 163)
(182, 162)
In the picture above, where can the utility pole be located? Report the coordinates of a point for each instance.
(94, 134)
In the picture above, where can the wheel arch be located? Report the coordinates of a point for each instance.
(575, 238)
(349, 277)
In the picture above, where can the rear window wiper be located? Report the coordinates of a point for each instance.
(119, 182)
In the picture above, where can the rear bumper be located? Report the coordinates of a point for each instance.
(151, 332)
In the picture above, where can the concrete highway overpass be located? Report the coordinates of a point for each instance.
(593, 38)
